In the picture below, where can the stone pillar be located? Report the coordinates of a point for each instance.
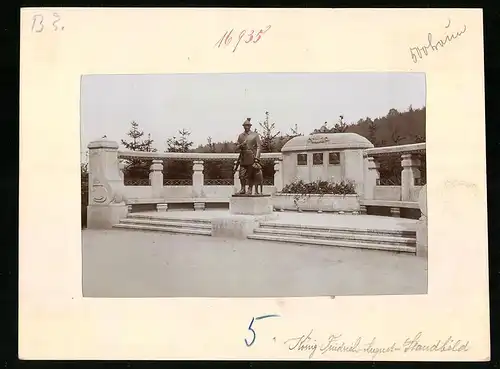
(106, 190)
(156, 178)
(422, 226)
(354, 169)
(278, 175)
(121, 166)
(197, 178)
(372, 177)
(237, 186)
(409, 174)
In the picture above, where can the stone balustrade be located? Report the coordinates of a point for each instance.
(156, 188)
(107, 187)
(190, 156)
(410, 177)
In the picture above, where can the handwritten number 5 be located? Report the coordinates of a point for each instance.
(261, 32)
(253, 334)
(251, 329)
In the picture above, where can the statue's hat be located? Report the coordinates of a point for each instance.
(247, 122)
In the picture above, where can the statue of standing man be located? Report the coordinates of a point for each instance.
(249, 147)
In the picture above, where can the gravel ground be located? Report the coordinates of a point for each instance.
(121, 263)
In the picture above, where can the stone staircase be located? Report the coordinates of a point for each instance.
(144, 222)
(387, 240)
(320, 235)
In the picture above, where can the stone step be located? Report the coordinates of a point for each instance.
(333, 243)
(333, 229)
(361, 237)
(156, 228)
(166, 223)
(168, 219)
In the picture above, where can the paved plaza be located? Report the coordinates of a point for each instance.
(122, 263)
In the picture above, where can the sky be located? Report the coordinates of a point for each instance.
(217, 104)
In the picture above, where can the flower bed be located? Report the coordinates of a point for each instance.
(318, 196)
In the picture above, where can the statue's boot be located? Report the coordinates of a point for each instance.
(242, 184)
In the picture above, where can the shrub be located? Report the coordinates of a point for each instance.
(320, 187)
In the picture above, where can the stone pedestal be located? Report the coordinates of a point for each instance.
(245, 214)
(105, 216)
(250, 205)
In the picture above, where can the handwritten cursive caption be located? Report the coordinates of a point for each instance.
(252, 330)
(418, 52)
(335, 343)
(247, 36)
(44, 22)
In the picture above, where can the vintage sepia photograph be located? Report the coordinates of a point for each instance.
(253, 185)
(283, 204)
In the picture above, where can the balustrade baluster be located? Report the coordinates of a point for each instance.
(197, 178)
(156, 178)
(409, 174)
(372, 177)
(278, 175)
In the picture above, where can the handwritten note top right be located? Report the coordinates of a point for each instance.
(435, 43)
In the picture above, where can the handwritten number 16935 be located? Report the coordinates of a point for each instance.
(246, 36)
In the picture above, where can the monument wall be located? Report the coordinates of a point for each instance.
(331, 156)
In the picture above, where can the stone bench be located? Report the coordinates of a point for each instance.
(395, 206)
(162, 204)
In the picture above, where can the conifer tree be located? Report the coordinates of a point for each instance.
(268, 134)
(179, 169)
(137, 168)
(180, 143)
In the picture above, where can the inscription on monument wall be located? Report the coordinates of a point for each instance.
(318, 140)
